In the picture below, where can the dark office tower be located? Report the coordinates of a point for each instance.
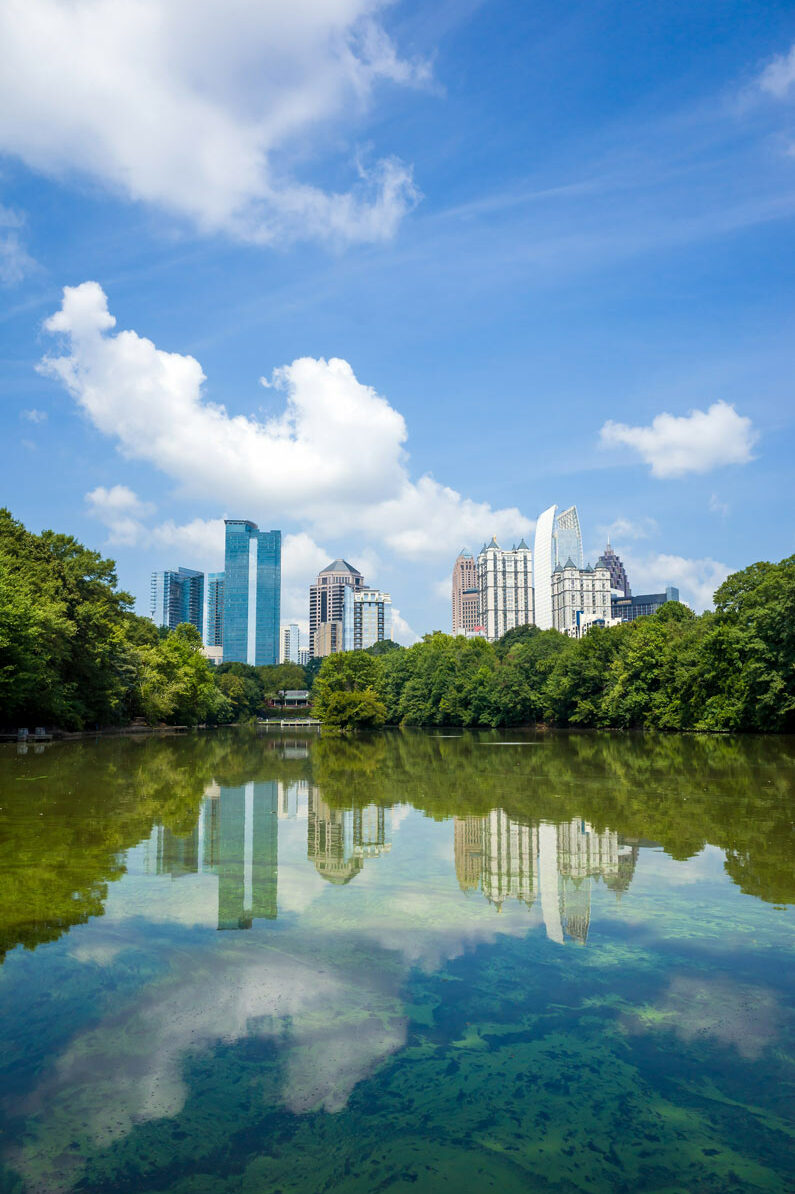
(326, 600)
(618, 573)
(215, 610)
(177, 596)
(252, 593)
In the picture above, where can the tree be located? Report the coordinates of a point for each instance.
(177, 685)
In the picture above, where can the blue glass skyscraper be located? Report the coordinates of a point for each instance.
(252, 593)
(177, 596)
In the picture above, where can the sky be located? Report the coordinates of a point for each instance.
(395, 277)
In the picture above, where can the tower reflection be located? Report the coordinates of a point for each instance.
(554, 864)
(339, 840)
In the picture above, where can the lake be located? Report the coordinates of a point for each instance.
(242, 963)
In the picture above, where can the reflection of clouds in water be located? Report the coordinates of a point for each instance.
(744, 1017)
(333, 1025)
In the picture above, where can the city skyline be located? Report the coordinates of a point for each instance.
(511, 264)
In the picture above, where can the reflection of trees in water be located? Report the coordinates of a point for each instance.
(683, 791)
(69, 815)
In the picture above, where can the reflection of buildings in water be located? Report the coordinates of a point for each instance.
(509, 860)
(235, 839)
(339, 840)
(293, 800)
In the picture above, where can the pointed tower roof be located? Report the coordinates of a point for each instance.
(340, 565)
(522, 545)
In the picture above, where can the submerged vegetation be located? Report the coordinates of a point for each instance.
(730, 670)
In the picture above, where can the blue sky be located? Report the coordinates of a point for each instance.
(527, 233)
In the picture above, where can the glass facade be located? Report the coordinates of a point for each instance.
(630, 608)
(214, 636)
(543, 563)
(177, 596)
(568, 538)
(252, 593)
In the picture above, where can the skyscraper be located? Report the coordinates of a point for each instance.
(580, 597)
(619, 581)
(558, 539)
(252, 593)
(214, 635)
(291, 643)
(177, 596)
(326, 598)
(465, 592)
(366, 618)
(505, 585)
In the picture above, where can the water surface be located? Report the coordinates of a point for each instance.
(239, 963)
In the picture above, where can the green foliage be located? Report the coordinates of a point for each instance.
(281, 676)
(383, 647)
(176, 683)
(731, 670)
(344, 694)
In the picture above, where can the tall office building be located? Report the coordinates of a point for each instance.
(326, 598)
(580, 597)
(619, 581)
(291, 643)
(366, 618)
(214, 632)
(177, 596)
(252, 593)
(240, 835)
(465, 592)
(558, 539)
(505, 588)
(630, 608)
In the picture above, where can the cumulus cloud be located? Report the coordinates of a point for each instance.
(333, 457)
(778, 77)
(694, 443)
(202, 106)
(696, 579)
(121, 511)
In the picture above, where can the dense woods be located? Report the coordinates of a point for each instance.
(733, 669)
(73, 654)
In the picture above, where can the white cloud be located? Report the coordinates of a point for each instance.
(121, 511)
(779, 75)
(696, 579)
(694, 443)
(204, 107)
(717, 506)
(332, 458)
(15, 263)
(401, 631)
(33, 415)
(626, 528)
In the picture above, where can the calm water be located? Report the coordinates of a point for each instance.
(417, 962)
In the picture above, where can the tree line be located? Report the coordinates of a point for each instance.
(74, 655)
(727, 670)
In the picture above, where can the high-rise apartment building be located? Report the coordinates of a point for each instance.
(580, 597)
(366, 618)
(558, 539)
(177, 596)
(291, 643)
(465, 592)
(326, 597)
(252, 593)
(505, 588)
(619, 581)
(214, 630)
